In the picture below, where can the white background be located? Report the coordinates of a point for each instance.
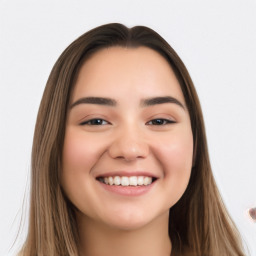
(216, 39)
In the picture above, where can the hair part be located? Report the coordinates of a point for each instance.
(199, 222)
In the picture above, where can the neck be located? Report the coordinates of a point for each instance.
(97, 239)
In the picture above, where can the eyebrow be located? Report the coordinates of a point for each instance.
(161, 100)
(111, 102)
(95, 100)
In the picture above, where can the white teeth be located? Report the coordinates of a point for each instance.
(117, 180)
(140, 180)
(127, 181)
(133, 181)
(110, 181)
(147, 180)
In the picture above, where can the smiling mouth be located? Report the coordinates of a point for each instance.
(127, 181)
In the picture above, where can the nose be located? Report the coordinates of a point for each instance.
(129, 145)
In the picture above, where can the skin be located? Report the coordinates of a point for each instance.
(126, 139)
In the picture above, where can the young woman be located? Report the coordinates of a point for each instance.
(120, 164)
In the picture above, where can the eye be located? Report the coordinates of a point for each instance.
(95, 121)
(160, 121)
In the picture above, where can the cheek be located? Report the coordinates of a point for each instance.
(79, 152)
(176, 151)
(79, 157)
(176, 156)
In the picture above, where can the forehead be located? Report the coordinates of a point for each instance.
(140, 70)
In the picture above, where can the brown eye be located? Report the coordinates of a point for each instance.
(95, 121)
(160, 121)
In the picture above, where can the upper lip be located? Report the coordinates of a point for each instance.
(127, 174)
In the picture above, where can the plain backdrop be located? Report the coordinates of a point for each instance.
(216, 39)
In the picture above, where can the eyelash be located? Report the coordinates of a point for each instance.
(99, 121)
(92, 122)
(163, 121)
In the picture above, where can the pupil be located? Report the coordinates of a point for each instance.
(158, 121)
(97, 121)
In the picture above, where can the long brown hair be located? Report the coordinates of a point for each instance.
(198, 224)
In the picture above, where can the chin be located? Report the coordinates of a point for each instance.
(132, 219)
(127, 225)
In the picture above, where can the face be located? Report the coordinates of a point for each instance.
(128, 146)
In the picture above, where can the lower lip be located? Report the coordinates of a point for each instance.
(128, 190)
